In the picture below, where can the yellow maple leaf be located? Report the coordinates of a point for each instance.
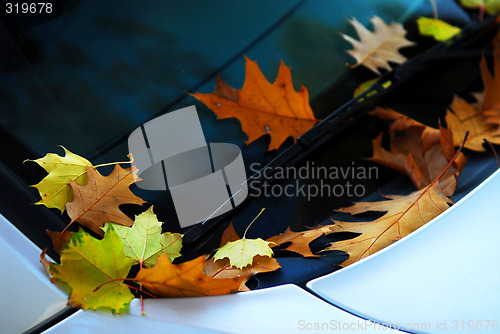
(55, 188)
(241, 252)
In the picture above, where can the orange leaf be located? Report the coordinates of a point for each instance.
(222, 269)
(229, 235)
(299, 241)
(187, 279)
(417, 150)
(462, 117)
(97, 202)
(59, 239)
(263, 107)
(491, 86)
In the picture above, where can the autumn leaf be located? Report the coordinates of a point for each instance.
(490, 6)
(404, 214)
(144, 241)
(364, 86)
(229, 235)
(59, 239)
(491, 97)
(376, 49)
(462, 117)
(223, 269)
(55, 189)
(98, 201)
(298, 242)
(419, 151)
(241, 252)
(437, 29)
(86, 263)
(263, 107)
(186, 279)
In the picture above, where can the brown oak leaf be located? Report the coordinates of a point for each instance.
(403, 215)
(419, 151)
(299, 241)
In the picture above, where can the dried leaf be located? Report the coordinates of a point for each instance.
(376, 49)
(223, 269)
(419, 151)
(86, 263)
(242, 252)
(55, 188)
(438, 29)
(229, 235)
(299, 241)
(404, 214)
(491, 98)
(98, 201)
(263, 107)
(462, 117)
(144, 241)
(186, 279)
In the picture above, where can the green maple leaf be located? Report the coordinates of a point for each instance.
(144, 241)
(55, 188)
(439, 30)
(87, 263)
(241, 252)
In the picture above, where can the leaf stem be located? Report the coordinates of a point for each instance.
(244, 234)
(119, 162)
(434, 9)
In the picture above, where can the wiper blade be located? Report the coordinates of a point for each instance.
(197, 236)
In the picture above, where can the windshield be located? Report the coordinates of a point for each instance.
(92, 72)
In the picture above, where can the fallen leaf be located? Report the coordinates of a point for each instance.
(241, 252)
(144, 241)
(364, 86)
(437, 29)
(462, 117)
(490, 6)
(404, 214)
(263, 107)
(186, 279)
(59, 239)
(376, 49)
(223, 269)
(299, 241)
(229, 235)
(86, 263)
(55, 189)
(491, 97)
(97, 202)
(419, 151)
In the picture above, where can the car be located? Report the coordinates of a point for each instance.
(89, 73)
